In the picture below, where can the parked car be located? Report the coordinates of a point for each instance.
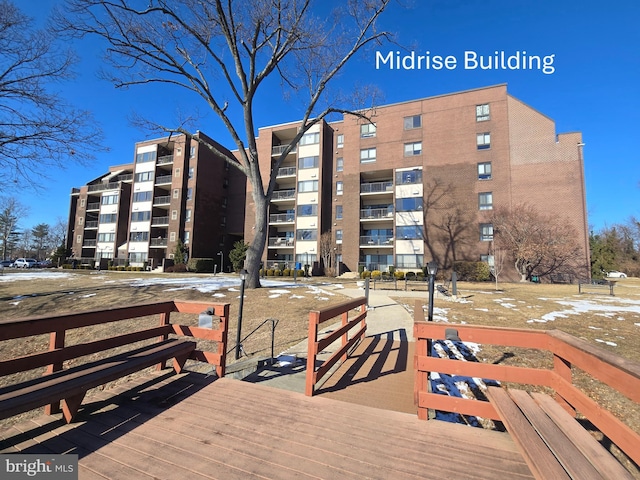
(25, 263)
(6, 263)
(44, 264)
(615, 274)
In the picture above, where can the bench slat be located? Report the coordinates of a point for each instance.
(601, 459)
(564, 450)
(541, 461)
(76, 381)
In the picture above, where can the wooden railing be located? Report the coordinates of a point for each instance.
(568, 352)
(58, 325)
(317, 345)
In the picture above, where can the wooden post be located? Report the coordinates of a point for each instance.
(164, 320)
(312, 347)
(56, 341)
(563, 368)
(345, 337)
(222, 346)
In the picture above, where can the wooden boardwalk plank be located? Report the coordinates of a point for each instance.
(187, 426)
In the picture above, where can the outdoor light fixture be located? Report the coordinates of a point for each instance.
(243, 277)
(432, 267)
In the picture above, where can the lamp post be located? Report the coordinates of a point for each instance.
(221, 261)
(432, 269)
(243, 277)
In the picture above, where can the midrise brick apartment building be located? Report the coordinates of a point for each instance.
(175, 189)
(419, 182)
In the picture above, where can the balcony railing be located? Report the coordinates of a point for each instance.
(93, 206)
(165, 159)
(283, 194)
(376, 187)
(377, 213)
(281, 242)
(155, 221)
(103, 186)
(376, 241)
(164, 200)
(91, 224)
(282, 218)
(158, 242)
(89, 243)
(278, 149)
(163, 179)
(287, 172)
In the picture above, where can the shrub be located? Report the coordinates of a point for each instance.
(300, 273)
(410, 275)
(270, 272)
(376, 274)
(199, 265)
(399, 275)
(365, 274)
(286, 272)
(472, 271)
(278, 273)
(178, 268)
(392, 269)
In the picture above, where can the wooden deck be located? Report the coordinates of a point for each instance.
(193, 426)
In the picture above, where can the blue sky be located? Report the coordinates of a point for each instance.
(594, 89)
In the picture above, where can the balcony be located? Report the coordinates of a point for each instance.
(158, 242)
(377, 187)
(165, 159)
(163, 200)
(103, 186)
(91, 224)
(93, 206)
(159, 221)
(283, 195)
(377, 213)
(281, 242)
(286, 172)
(376, 241)
(89, 243)
(282, 218)
(278, 149)
(164, 179)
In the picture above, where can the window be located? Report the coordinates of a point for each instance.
(310, 138)
(339, 188)
(307, 210)
(106, 237)
(192, 152)
(368, 130)
(138, 257)
(308, 186)
(174, 214)
(190, 172)
(311, 234)
(140, 216)
(488, 259)
(484, 171)
(109, 200)
(408, 204)
(144, 177)
(409, 261)
(172, 236)
(187, 215)
(412, 122)
(410, 232)
(411, 149)
(146, 157)
(187, 236)
(339, 164)
(406, 177)
(176, 193)
(338, 212)
(108, 218)
(486, 232)
(139, 237)
(80, 220)
(142, 196)
(338, 236)
(368, 155)
(483, 140)
(340, 141)
(189, 193)
(82, 202)
(176, 172)
(482, 112)
(485, 201)
(307, 162)
(78, 238)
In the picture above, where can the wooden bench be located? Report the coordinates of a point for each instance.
(71, 385)
(584, 287)
(553, 443)
(67, 379)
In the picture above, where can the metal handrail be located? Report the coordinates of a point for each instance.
(274, 322)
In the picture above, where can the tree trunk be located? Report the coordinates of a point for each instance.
(254, 253)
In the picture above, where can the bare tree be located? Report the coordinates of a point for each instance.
(327, 252)
(499, 256)
(11, 212)
(38, 129)
(540, 244)
(224, 52)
